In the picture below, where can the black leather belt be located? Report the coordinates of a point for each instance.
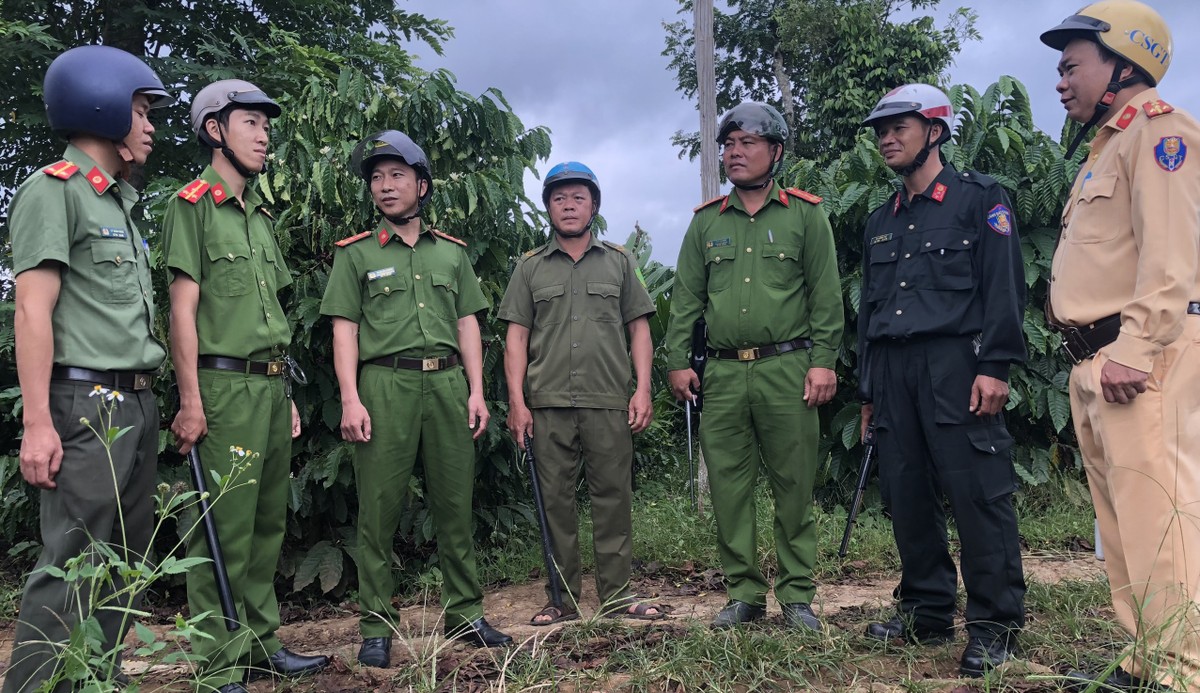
(433, 363)
(1082, 343)
(755, 353)
(118, 380)
(226, 363)
(1194, 308)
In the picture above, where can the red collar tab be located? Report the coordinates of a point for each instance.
(450, 238)
(353, 239)
(63, 169)
(192, 192)
(939, 192)
(1127, 117)
(1157, 107)
(218, 193)
(783, 197)
(804, 195)
(98, 180)
(896, 207)
(383, 237)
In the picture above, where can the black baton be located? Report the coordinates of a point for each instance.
(864, 473)
(220, 574)
(547, 543)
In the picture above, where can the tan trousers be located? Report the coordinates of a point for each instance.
(1143, 467)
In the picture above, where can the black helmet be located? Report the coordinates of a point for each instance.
(392, 144)
(90, 89)
(571, 172)
(756, 118)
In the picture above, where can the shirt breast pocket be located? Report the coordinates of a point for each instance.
(549, 306)
(1093, 218)
(781, 265)
(445, 294)
(882, 257)
(718, 264)
(946, 254)
(115, 270)
(231, 271)
(604, 302)
(383, 299)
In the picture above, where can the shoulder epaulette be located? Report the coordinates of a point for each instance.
(192, 192)
(535, 251)
(1157, 107)
(264, 210)
(614, 246)
(978, 178)
(709, 203)
(805, 195)
(450, 238)
(63, 169)
(353, 239)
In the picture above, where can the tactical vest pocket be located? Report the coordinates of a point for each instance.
(549, 308)
(383, 298)
(781, 265)
(947, 257)
(604, 302)
(115, 268)
(1093, 218)
(718, 264)
(231, 273)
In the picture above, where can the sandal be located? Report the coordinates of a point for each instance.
(641, 611)
(556, 613)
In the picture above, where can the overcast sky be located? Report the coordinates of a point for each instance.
(592, 72)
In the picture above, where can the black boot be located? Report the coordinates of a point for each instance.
(480, 634)
(736, 613)
(984, 654)
(288, 664)
(375, 652)
(800, 616)
(902, 627)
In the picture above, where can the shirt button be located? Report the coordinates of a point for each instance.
(387, 289)
(230, 256)
(263, 283)
(781, 256)
(899, 312)
(966, 242)
(574, 317)
(744, 310)
(894, 255)
(268, 315)
(747, 280)
(903, 284)
(573, 374)
(420, 305)
(907, 255)
(911, 227)
(927, 244)
(749, 250)
(574, 345)
(717, 258)
(416, 276)
(118, 259)
(751, 220)
(574, 291)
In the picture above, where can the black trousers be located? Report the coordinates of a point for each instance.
(932, 447)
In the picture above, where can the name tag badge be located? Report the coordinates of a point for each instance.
(113, 232)
(881, 239)
(719, 243)
(381, 273)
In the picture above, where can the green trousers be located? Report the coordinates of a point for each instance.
(88, 505)
(754, 412)
(415, 413)
(566, 442)
(250, 413)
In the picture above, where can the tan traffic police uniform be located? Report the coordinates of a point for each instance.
(230, 251)
(578, 387)
(75, 214)
(1130, 246)
(407, 301)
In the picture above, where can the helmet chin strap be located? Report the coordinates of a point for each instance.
(921, 157)
(401, 221)
(238, 166)
(1115, 84)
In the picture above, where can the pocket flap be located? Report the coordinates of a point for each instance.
(992, 440)
(936, 240)
(387, 285)
(548, 292)
(226, 251)
(603, 289)
(115, 252)
(444, 280)
(781, 251)
(1098, 186)
(885, 252)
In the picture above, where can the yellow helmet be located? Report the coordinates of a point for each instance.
(1131, 29)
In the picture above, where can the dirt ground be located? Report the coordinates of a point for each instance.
(689, 596)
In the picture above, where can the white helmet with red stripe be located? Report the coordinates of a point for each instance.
(924, 100)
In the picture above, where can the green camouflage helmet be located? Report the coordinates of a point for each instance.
(756, 118)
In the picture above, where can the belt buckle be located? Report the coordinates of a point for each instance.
(1072, 341)
(141, 381)
(274, 367)
(748, 354)
(430, 364)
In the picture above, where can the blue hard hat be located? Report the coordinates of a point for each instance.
(90, 89)
(570, 172)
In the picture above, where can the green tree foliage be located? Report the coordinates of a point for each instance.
(824, 63)
(340, 71)
(994, 134)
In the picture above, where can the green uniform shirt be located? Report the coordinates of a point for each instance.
(406, 301)
(230, 251)
(74, 213)
(576, 313)
(758, 280)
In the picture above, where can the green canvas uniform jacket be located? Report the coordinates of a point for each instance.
(406, 300)
(758, 280)
(576, 313)
(231, 252)
(74, 213)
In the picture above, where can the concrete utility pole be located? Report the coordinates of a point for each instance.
(706, 83)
